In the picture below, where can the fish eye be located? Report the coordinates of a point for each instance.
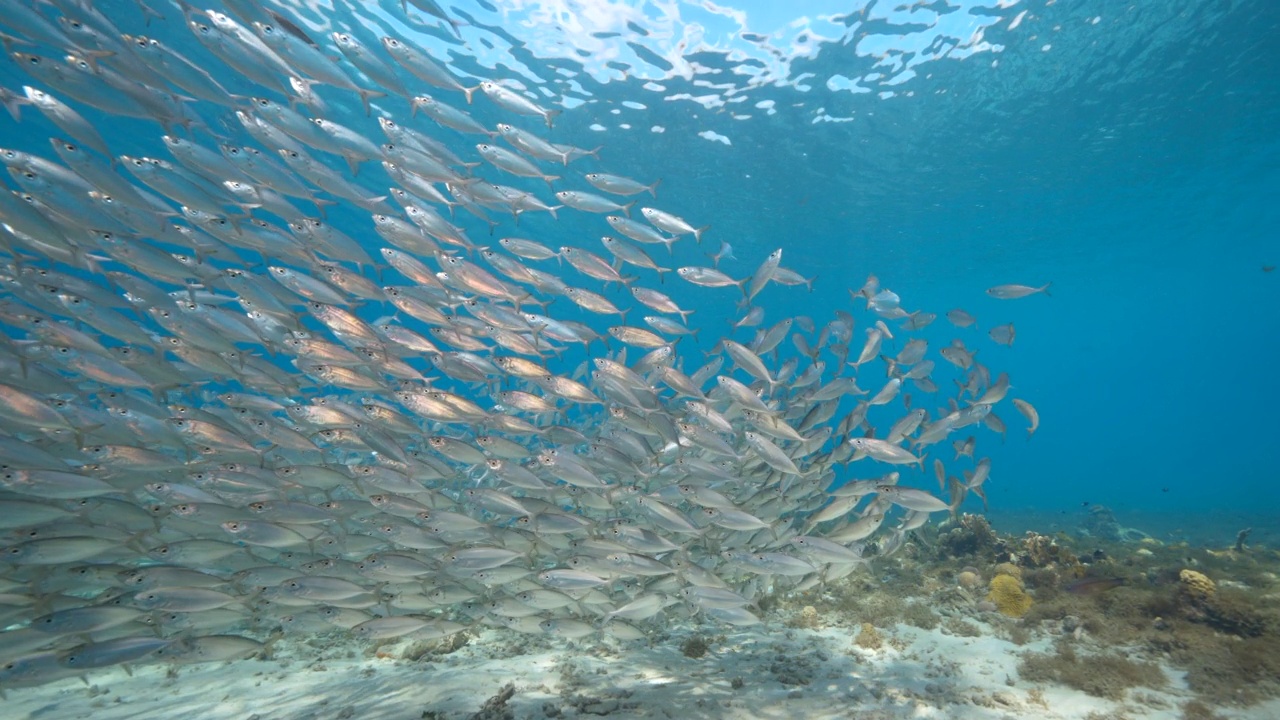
(33, 60)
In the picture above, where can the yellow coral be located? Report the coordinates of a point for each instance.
(1005, 568)
(808, 618)
(868, 637)
(1196, 585)
(1008, 596)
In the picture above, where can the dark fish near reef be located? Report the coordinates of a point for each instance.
(1094, 586)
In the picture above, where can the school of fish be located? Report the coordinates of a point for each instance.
(300, 369)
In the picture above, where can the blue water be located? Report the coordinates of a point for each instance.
(1132, 162)
(1127, 155)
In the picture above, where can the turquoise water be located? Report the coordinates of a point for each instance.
(1126, 155)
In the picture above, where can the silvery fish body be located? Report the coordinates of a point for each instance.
(245, 398)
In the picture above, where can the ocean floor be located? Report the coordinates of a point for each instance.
(760, 673)
(1099, 621)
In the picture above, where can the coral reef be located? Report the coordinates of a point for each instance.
(1196, 587)
(1043, 551)
(1101, 524)
(920, 615)
(1150, 597)
(1006, 593)
(972, 536)
(808, 618)
(1106, 675)
(495, 708)
(426, 648)
(695, 646)
(869, 638)
(1233, 612)
(1008, 568)
(1198, 710)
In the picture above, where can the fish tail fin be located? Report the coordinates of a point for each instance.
(653, 189)
(8, 40)
(697, 233)
(982, 494)
(551, 116)
(321, 204)
(1045, 289)
(550, 179)
(366, 95)
(958, 493)
(13, 103)
(93, 56)
(188, 9)
(662, 278)
(553, 210)
(626, 209)
(469, 92)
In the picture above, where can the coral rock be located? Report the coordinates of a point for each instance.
(808, 618)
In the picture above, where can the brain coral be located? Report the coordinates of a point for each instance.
(1007, 595)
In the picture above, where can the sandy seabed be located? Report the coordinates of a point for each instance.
(754, 673)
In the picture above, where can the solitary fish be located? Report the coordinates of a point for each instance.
(1029, 412)
(1094, 586)
(1002, 334)
(960, 318)
(1013, 292)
